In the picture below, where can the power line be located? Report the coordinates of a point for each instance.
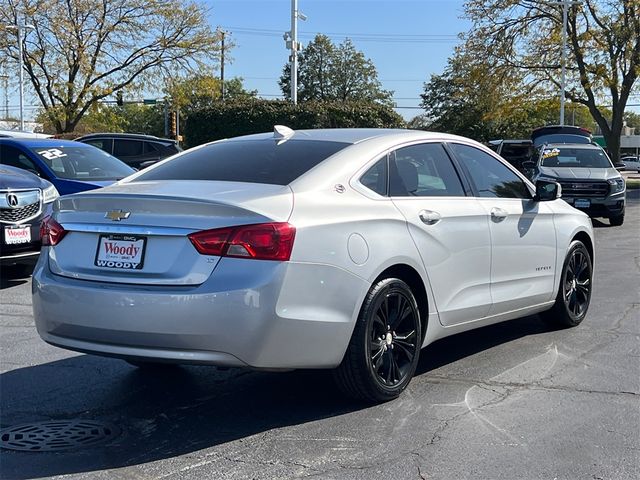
(360, 37)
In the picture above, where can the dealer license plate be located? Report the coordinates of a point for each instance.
(123, 252)
(15, 235)
(581, 203)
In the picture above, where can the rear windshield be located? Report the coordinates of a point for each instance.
(253, 161)
(575, 157)
(82, 163)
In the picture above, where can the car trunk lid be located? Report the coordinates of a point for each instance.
(137, 232)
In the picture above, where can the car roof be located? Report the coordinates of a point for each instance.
(131, 136)
(40, 142)
(350, 135)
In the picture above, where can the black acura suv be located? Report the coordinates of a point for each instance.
(25, 199)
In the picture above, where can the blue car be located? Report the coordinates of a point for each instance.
(71, 166)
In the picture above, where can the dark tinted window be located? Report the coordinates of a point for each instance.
(14, 157)
(423, 170)
(254, 161)
(491, 178)
(105, 144)
(376, 177)
(150, 147)
(127, 148)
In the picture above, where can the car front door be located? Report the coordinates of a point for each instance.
(523, 239)
(449, 228)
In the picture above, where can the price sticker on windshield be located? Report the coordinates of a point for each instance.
(52, 153)
(550, 153)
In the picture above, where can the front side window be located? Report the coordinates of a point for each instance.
(423, 170)
(490, 176)
(101, 143)
(252, 161)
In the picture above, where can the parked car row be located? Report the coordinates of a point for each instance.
(567, 155)
(36, 169)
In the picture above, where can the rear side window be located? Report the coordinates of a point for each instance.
(376, 177)
(14, 157)
(423, 171)
(127, 148)
(253, 161)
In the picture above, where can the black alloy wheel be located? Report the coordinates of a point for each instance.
(385, 346)
(576, 284)
(392, 338)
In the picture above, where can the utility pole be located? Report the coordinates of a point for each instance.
(5, 81)
(291, 39)
(222, 34)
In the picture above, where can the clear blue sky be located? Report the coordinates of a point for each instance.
(407, 40)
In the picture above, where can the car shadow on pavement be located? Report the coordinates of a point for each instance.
(14, 275)
(180, 410)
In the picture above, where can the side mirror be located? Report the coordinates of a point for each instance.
(620, 166)
(546, 191)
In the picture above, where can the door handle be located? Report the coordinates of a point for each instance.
(498, 214)
(429, 217)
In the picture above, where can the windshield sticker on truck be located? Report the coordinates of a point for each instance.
(550, 153)
(52, 153)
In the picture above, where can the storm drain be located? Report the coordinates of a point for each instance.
(56, 435)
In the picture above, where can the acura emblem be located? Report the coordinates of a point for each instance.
(117, 215)
(12, 200)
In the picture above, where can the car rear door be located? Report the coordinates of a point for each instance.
(449, 228)
(523, 239)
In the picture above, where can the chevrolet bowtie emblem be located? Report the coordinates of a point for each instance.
(117, 215)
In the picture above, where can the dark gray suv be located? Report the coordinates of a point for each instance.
(589, 181)
(138, 151)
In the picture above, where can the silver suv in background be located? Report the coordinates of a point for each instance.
(588, 178)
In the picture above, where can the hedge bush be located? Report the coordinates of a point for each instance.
(231, 119)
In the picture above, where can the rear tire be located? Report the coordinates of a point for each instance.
(385, 346)
(574, 292)
(617, 220)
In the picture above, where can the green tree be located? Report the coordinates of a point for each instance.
(327, 72)
(82, 51)
(202, 90)
(524, 36)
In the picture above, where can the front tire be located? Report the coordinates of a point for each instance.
(617, 220)
(385, 346)
(574, 292)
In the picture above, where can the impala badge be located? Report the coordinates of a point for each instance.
(117, 215)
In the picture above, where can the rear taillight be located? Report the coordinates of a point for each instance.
(264, 241)
(51, 232)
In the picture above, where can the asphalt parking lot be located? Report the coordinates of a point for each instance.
(511, 401)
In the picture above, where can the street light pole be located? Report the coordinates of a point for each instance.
(19, 28)
(294, 51)
(563, 80)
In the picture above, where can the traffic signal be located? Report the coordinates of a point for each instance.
(173, 127)
(119, 99)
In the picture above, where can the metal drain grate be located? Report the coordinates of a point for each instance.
(56, 435)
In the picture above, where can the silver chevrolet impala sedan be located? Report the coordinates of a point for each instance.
(349, 249)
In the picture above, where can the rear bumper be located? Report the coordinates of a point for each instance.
(259, 314)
